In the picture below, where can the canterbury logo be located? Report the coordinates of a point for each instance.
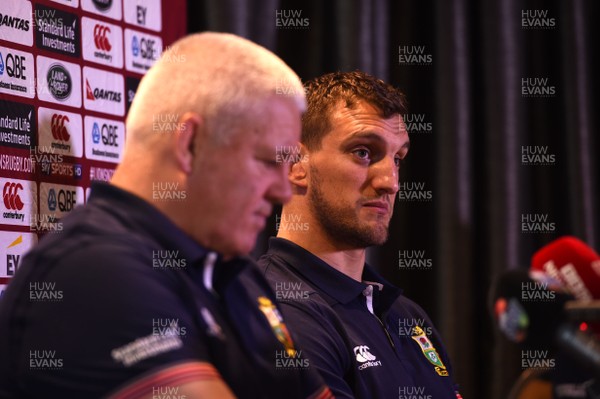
(59, 130)
(100, 38)
(362, 354)
(10, 195)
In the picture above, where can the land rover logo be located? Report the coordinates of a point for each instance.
(103, 5)
(59, 82)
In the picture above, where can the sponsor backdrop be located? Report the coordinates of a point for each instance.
(69, 70)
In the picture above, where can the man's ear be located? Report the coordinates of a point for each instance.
(298, 175)
(188, 133)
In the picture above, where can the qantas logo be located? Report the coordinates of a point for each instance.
(101, 94)
(14, 22)
(10, 195)
(58, 128)
(101, 39)
(89, 94)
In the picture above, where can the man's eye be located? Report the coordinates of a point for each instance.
(362, 153)
(398, 161)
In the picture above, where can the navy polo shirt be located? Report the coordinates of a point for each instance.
(122, 302)
(366, 339)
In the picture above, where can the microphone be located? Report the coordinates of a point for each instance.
(582, 347)
(573, 263)
(538, 313)
(527, 310)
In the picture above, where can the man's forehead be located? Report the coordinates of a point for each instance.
(364, 117)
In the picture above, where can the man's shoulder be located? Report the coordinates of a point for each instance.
(90, 228)
(406, 306)
(292, 290)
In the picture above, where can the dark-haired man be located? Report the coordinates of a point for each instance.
(343, 190)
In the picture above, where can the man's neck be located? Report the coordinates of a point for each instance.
(349, 261)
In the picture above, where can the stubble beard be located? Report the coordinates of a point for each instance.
(342, 224)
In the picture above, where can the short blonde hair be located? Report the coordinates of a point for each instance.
(221, 76)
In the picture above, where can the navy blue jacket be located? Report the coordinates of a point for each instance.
(367, 340)
(120, 294)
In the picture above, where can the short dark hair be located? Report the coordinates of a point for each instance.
(324, 92)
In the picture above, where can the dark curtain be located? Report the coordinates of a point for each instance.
(489, 90)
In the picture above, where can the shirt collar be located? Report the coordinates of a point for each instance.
(334, 283)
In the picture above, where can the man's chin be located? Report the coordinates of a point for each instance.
(368, 236)
(241, 247)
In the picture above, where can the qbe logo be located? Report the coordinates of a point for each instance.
(18, 201)
(16, 22)
(104, 91)
(61, 132)
(106, 8)
(104, 139)
(14, 246)
(57, 200)
(102, 42)
(107, 134)
(59, 82)
(17, 75)
(141, 50)
(146, 14)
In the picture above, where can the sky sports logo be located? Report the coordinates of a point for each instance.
(142, 50)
